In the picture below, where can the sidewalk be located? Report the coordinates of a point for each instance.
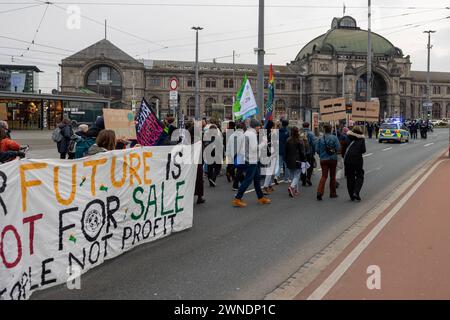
(409, 243)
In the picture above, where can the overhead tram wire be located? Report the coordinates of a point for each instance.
(296, 30)
(109, 26)
(21, 8)
(194, 5)
(282, 32)
(36, 44)
(36, 32)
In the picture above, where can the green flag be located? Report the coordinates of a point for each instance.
(237, 102)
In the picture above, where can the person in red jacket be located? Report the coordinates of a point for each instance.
(6, 143)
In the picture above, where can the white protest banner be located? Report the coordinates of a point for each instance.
(57, 216)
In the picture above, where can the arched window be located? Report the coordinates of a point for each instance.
(208, 106)
(190, 107)
(105, 80)
(436, 111)
(228, 102)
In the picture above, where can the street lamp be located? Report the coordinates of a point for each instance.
(428, 103)
(197, 85)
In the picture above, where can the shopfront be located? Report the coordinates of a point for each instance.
(40, 111)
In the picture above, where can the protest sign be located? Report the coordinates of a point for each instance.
(121, 121)
(332, 110)
(58, 217)
(366, 111)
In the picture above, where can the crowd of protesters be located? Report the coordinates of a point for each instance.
(291, 159)
(290, 154)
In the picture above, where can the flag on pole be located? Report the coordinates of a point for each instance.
(150, 131)
(270, 96)
(245, 104)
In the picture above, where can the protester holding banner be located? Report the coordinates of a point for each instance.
(106, 141)
(6, 143)
(199, 189)
(214, 144)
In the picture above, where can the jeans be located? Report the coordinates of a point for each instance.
(239, 177)
(328, 166)
(294, 175)
(270, 171)
(252, 173)
(280, 166)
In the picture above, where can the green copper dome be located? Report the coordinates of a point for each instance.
(345, 37)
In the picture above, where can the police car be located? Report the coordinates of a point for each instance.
(394, 131)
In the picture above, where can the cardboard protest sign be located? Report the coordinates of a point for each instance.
(332, 109)
(121, 121)
(59, 218)
(366, 111)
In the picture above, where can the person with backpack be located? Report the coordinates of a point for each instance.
(309, 139)
(328, 148)
(353, 161)
(295, 158)
(62, 136)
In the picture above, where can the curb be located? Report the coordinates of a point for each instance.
(309, 271)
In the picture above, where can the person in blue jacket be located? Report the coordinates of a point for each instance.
(328, 148)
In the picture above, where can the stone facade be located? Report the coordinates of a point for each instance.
(315, 74)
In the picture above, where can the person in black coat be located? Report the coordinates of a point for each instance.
(66, 133)
(353, 162)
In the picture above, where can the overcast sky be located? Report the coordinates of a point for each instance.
(163, 30)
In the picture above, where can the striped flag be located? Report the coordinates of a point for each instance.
(271, 96)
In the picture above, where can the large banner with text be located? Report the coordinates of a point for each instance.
(60, 218)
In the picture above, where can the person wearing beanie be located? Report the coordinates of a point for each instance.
(353, 162)
(249, 152)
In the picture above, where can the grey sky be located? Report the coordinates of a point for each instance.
(288, 29)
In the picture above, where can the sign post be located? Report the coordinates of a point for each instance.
(173, 96)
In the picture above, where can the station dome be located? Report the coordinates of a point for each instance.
(345, 37)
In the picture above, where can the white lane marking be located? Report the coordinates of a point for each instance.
(367, 155)
(373, 170)
(248, 191)
(387, 149)
(428, 144)
(331, 281)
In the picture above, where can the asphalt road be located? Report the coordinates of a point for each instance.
(235, 253)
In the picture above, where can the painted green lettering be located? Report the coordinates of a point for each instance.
(178, 197)
(138, 201)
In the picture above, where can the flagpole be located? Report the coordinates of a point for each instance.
(260, 51)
